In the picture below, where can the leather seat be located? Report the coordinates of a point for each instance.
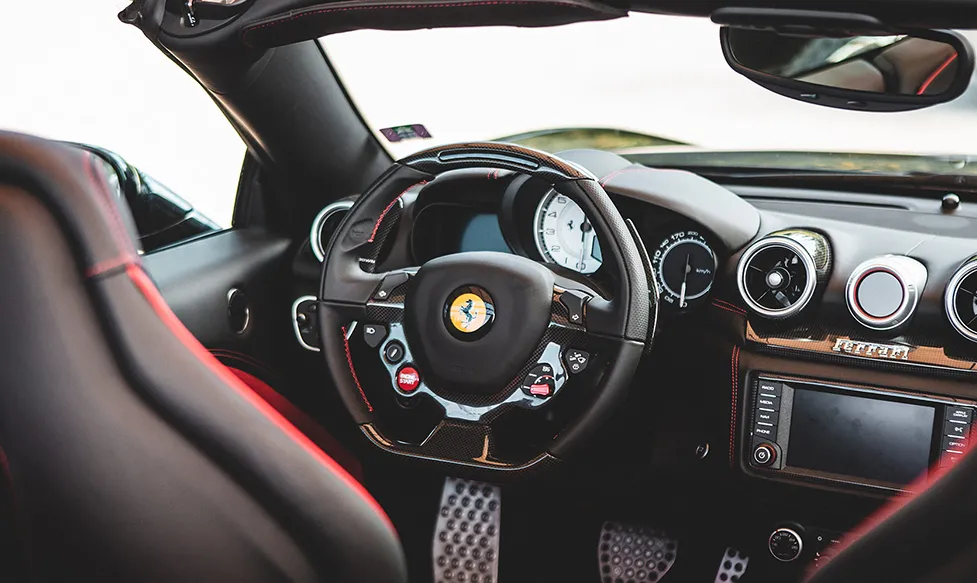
(130, 452)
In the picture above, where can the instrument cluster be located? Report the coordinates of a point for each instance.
(683, 258)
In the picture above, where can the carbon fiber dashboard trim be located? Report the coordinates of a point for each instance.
(843, 346)
(452, 446)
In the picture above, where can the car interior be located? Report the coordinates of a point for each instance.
(492, 361)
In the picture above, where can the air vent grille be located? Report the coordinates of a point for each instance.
(961, 301)
(325, 225)
(776, 277)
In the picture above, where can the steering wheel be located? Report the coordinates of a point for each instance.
(480, 359)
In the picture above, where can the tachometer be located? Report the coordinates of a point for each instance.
(685, 265)
(564, 234)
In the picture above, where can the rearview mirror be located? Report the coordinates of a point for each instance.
(885, 71)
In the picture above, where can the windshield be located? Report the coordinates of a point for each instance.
(658, 81)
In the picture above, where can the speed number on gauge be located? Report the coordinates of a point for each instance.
(685, 265)
(564, 234)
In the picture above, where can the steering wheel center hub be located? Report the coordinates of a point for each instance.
(469, 313)
(476, 318)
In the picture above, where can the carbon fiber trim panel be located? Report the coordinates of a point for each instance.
(850, 346)
(456, 448)
(496, 155)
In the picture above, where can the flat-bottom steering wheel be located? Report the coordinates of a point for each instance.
(481, 359)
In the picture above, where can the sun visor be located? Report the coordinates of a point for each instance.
(299, 21)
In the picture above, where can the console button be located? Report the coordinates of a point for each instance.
(408, 379)
(964, 414)
(574, 302)
(540, 381)
(766, 402)
(956, 429)
(785, 545)
(770, 388)
(394, 352)
(577, 360)
(767, 416)
(764, 454)
(373, 334)
(388, 285)
(764, 431)
(954, 443)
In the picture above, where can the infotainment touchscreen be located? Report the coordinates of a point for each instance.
(880, 440)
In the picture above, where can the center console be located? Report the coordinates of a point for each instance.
(818, 432)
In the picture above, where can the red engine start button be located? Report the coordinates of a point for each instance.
(408, 379)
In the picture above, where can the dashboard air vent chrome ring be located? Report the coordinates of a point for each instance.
(960, 295)
(318, 238)
(777, 276)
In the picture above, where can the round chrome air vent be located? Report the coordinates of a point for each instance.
(324, 224)
(882, 292)
(960, 300)
(777, 275)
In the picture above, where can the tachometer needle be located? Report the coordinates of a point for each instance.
(685, 277)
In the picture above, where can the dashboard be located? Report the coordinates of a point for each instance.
(821, 345)
(514, 215)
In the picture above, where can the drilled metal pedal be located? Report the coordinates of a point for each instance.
(733, 566)
(466, 538)
(634, 554)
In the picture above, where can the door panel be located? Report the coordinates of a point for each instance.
(196, 278)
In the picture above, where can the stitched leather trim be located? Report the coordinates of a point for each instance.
(118, 232)
(352, 371)
(733, 307)
(301, 420)
(108, 265)
(159, 305)
(730, 310)
(734, 381)
(616, 173)
(383, 215)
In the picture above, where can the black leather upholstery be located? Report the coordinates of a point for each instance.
(132, 454)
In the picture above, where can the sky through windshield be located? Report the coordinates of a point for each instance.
(660, 75)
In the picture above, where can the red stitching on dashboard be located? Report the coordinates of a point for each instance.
(734, 381)
(730, 310)
(405, 6)
(352, 371)
(616, 173)
(376, 227)
(728, 306)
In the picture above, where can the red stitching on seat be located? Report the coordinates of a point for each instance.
(169, 319)
(108, 264)
(401, 7)
(302, 421)
(349, 359)
(106, 203)
(390, 206)
(734, 381)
